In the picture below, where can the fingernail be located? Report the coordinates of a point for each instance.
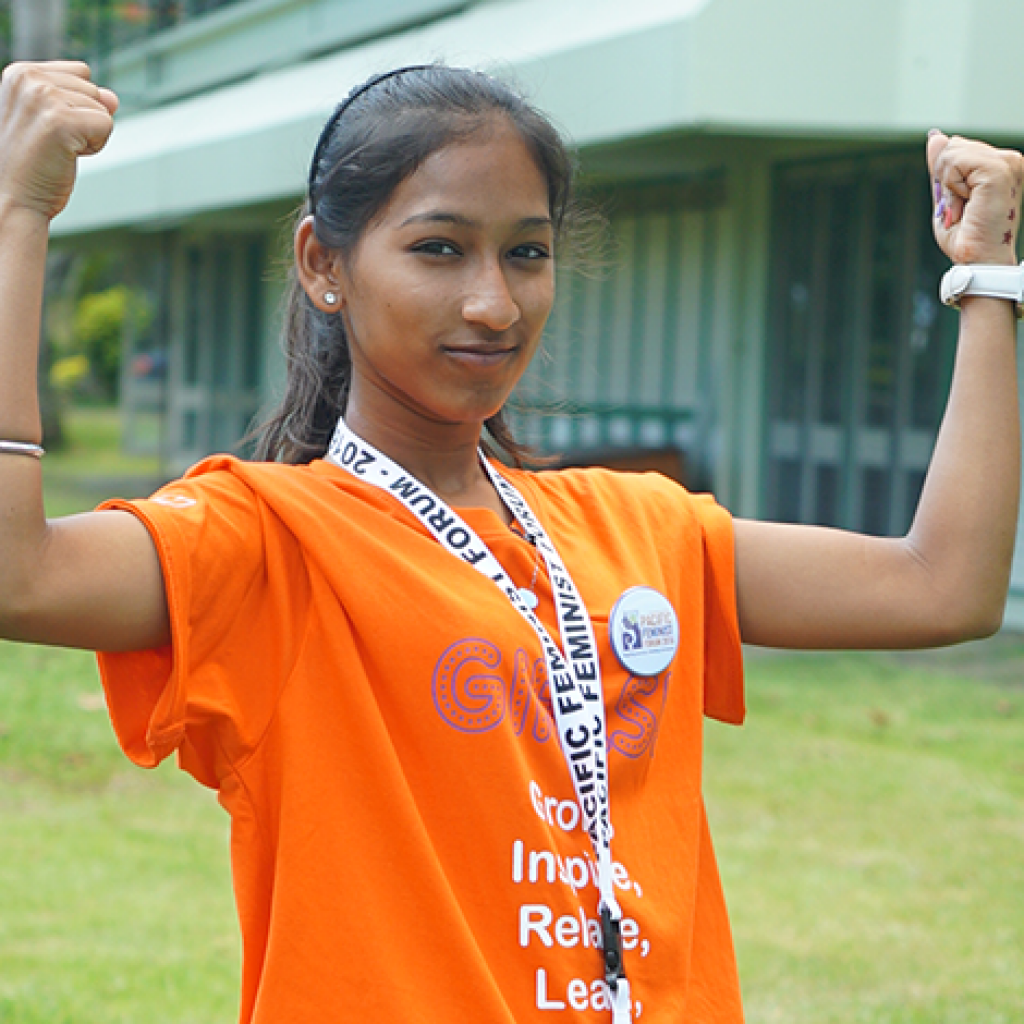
(948, 220)
(937, 189)
(940, 210)
(934, 131)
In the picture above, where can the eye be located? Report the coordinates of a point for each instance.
(530, 251)
(436, 247)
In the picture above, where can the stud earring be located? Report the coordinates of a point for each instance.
(330, 298)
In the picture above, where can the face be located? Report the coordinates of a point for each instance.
(447, 292)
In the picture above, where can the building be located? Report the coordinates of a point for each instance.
(772, 313)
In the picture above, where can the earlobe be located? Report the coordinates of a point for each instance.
(315, 268)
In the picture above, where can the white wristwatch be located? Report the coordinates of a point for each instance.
(994, 282)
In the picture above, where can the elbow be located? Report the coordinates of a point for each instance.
(14, 615)
(23, 596)
(987, 622)
(972, 617)
(979, 627)
(8, 606)
(19, 606)
(961, 598)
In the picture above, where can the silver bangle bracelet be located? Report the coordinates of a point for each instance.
(33, 451)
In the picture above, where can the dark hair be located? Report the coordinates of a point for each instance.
(376, 138)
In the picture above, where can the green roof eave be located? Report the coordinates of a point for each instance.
(606, 70)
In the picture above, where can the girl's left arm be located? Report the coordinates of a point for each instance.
(946, 581)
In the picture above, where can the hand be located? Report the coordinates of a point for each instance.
(977, 196)
(50, 114)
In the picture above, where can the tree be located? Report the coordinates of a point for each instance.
(101, 320)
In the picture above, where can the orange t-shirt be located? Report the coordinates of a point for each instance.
(406, 845)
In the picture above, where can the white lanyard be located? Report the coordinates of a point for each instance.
(575, 680)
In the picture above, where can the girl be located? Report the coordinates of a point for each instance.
(430, 689)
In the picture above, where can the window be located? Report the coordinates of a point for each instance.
(860, 348)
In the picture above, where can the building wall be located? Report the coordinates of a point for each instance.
(663, 345)
(245, 38)
(629, 353)
(669, 347)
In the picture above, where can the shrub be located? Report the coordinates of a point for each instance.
(100, 321)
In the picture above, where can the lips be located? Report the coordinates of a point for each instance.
(484, 353)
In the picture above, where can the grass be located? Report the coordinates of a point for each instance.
(114, 884)
(870, 825)
(92, 466)
(869, 821)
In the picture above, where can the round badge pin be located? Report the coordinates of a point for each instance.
(644, 631)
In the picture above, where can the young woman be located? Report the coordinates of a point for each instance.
(452, 708)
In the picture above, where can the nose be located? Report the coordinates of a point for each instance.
(489, 301)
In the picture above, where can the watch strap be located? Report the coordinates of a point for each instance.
(995, 282)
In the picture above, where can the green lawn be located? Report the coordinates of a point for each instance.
(870, 825)
(869, 821)
(92, 466)
(115, 899)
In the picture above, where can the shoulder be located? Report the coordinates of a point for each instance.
(227, 480)
(599, 491)
(220, 504)
(299, 508)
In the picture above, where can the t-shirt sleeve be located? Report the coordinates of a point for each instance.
(210, 694)
(723, 652)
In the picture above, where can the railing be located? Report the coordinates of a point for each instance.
(97, 27)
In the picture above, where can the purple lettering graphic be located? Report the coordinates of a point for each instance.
(475, 690)
(468, 693)
(641, 721)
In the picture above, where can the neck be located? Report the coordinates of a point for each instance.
(443, 456)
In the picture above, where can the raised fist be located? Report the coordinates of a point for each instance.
(977, 197)
(50, 114)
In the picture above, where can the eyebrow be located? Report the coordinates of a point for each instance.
(443, 217)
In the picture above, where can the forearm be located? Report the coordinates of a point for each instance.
(966, 522)
(23, 244)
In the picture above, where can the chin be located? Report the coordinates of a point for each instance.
(476, 412)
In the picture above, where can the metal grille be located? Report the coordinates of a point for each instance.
(215, 371)
(626, 361)
(860, 349)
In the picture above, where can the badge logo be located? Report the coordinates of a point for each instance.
(644, 631)
(174, 500)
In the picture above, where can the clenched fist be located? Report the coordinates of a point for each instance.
(50, 115)
(977, 194)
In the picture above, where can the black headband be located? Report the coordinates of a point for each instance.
(342, 107)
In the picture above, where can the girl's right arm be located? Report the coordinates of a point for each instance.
(92, 580)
